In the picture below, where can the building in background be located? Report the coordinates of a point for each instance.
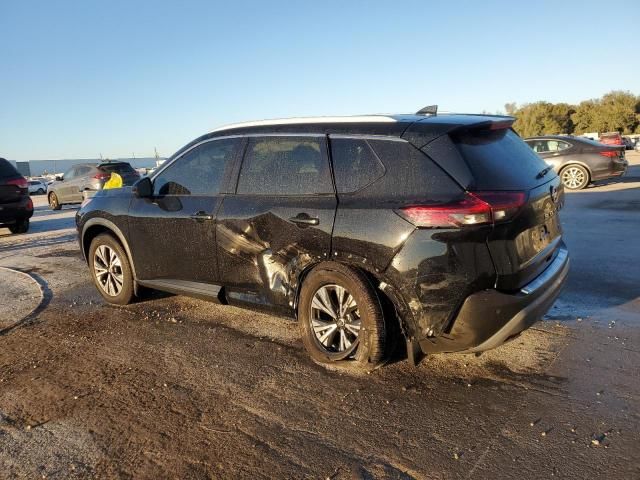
(36, 168)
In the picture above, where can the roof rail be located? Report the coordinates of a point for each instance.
(428, 110)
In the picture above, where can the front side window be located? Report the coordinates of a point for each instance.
(200, 171)
(285, 166)
(354, 164)
(538, 146)
(557, 145)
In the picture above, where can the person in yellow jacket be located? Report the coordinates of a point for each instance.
(114, 182)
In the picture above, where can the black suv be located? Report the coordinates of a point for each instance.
(443, 228)
(16, 207)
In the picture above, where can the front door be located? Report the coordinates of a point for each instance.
(173, 234)
(278, 222)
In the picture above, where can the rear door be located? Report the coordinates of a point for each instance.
(172, 234)
(279, 220)
(527, 238)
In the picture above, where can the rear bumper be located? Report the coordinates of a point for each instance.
(16, 211)
(489, 318)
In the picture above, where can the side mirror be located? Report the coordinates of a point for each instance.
(143, 188)
(59, 178)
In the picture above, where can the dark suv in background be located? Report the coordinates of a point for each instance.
(70, 187)
(443, 229)
(16, 207)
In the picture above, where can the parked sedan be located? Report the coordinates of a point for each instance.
(578, 160)
(71, 187)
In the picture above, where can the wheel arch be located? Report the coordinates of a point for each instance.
(571, 163)
(392, 305)
(97, 226)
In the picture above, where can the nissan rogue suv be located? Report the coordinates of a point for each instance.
(441, 229)
(16, 207)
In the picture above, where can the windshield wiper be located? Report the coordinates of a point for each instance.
(544, 171)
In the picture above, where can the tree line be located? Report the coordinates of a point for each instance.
(616, 111)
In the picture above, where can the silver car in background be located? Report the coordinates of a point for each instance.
(578, 160)
(87, 177)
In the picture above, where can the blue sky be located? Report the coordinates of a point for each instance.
(80, 78)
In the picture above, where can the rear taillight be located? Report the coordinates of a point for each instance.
(18, 182)
(102, 176)
(504, 205)
(609, 153)
(477, 208)
(29, 204)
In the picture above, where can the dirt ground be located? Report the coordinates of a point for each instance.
(178, 388)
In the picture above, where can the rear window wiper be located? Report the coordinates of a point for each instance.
(544, 171)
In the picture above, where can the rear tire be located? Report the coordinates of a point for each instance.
(110, 270)
(54, 203)
(341, 318)
(21, 226)
(575, 177)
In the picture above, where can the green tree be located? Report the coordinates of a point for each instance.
(543, 118)
(616, 111)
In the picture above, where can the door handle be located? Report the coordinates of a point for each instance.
(201, 216)
(305, 219)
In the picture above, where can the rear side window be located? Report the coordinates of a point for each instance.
(118, 168)
(200, 171)
(411, 174)
(285, 166)
(499, 160)
(355, 165)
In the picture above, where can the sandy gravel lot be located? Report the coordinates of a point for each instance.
(177, 388)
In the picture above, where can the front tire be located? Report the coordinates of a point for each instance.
(110, 270)
(21, 226)
(54, 203)
(341, 318)
(575, 177)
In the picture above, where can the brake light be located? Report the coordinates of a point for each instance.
(29, 204)
(504, 205)
(477, 208)
(609, 153)
(102, 176)
(18, 182)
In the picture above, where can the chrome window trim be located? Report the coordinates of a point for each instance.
(170, 162)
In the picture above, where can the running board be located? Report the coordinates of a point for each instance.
(205, 291)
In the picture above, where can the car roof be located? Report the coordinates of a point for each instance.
(419, 129)
(378, 124)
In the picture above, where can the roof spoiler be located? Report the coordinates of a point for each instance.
(431, 127)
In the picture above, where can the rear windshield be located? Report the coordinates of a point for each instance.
(500, 160)
(6, 169)
(118, 168)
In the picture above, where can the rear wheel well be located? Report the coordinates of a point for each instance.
(576, 164)
(389, 309)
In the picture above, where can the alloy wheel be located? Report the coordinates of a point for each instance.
(108, 270)
(53, 201)
(573, 177)
(335, 320)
